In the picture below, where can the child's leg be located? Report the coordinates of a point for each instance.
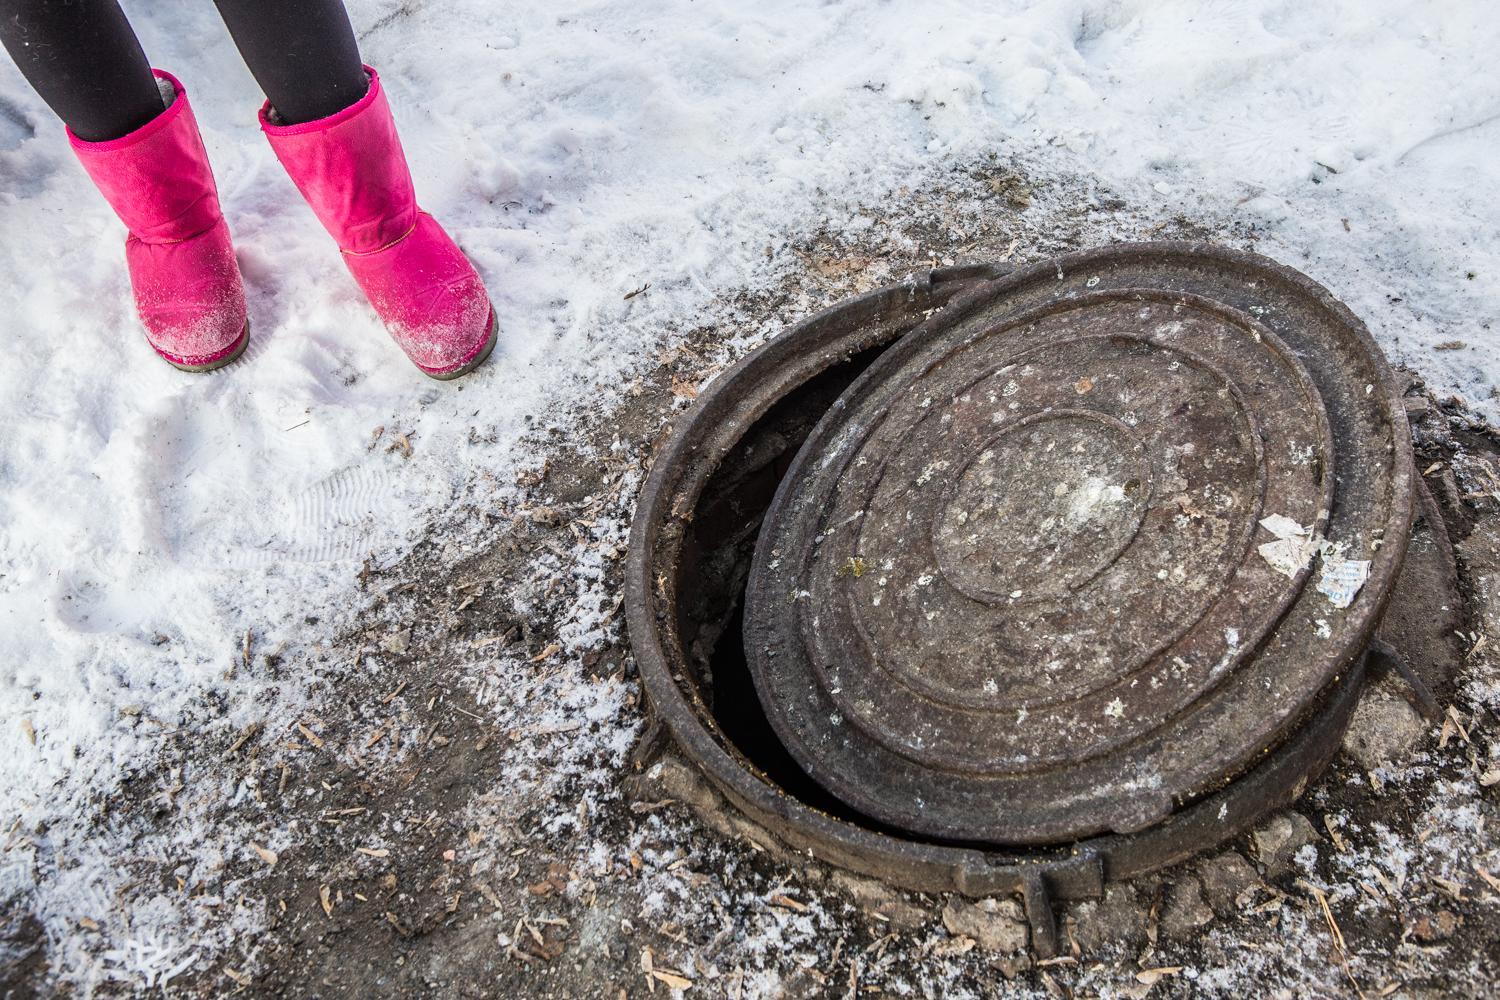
(301, 52)
(331, 127)
(84, 60)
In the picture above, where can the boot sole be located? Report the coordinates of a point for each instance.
(476, 360)
(217, 363)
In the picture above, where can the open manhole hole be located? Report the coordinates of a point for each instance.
(1016, 581)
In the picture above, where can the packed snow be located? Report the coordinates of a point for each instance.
(579, 153)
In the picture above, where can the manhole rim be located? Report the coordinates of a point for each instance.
(685, 459)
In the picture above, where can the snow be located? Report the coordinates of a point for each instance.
(579, 152)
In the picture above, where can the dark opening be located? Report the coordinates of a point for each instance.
(716, 563)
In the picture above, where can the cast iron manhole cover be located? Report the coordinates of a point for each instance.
(1012, 589)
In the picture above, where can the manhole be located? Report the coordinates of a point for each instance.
(1008, 620)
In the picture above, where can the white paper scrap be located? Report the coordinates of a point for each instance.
(1284, 527)
(1342, 578)
(1294, 546)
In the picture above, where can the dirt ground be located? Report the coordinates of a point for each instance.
(466, 810)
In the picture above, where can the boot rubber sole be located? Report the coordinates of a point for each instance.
(476, 360)
(216, 363)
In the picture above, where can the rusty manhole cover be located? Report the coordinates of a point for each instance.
(1012, 581)
(1011, 590)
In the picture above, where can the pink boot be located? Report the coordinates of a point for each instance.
(187, 283)
(350, 168)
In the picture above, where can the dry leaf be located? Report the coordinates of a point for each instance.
(672, 979)
(954, 946)
(1150, 976)
(29, 730)
(268, 856)
(326, 899)
(374, 852)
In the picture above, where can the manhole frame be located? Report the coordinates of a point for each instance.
(684, 464)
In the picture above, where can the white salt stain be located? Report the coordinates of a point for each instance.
(1092, 495)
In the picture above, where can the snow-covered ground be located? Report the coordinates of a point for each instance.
(580, 152)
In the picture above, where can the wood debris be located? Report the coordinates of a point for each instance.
(683, 389)
(245, 736)
(1339, 843)
(672, 978)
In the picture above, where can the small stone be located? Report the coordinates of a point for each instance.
(1279, 839)
(1437, 927)
(995, 924)
(549, 517)
(881, 902)
(1118, 918)
(1184, 910)
(1383, 728)
(1224, 878)
(397, 642)
(1011, 966)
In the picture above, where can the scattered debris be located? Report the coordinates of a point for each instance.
(1435, 927)
(996, 925)
(1384, 726)
(1293, 548)
(1278, 840)
(1185, 911)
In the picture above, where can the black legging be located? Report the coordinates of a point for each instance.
(84, 60)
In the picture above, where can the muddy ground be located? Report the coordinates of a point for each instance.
(469, 813)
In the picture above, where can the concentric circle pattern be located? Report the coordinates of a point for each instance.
(1010, 590)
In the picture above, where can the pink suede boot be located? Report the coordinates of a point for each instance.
(352, 171)
(182, 268)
